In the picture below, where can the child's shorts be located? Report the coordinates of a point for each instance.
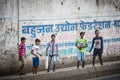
(81, 56)
(97, 52)
(35, 62)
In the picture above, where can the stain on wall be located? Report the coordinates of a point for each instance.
(97, 2)
(114, 3)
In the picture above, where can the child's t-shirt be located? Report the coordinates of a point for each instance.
(36, 49)
(22, 49)
(82, 42)
(97, 43)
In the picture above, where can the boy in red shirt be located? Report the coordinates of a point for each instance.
(22, 55)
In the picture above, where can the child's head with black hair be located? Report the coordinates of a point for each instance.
(97, 32)
(53, 37)
(37, 41)
(82, 34)
(23, 39)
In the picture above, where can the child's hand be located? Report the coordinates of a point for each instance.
(57, 54)
(89, 51)
(46, 54)
(37, 56)
(79, 48)
(83, 46)
(25, 56)
(40, 54)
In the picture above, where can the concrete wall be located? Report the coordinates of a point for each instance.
(66, 18)
(8, 36)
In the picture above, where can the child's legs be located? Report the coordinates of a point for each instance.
(94, 60)
(100, 58)
(36, 69)
(49, 62)
(78, 59)
(94, 56)
(82, 56)
(33, 70)
(78, 56)
(54, 62)
(37, 64)
(22, 64)
(82, 59)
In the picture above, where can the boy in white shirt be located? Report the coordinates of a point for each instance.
(36, 53)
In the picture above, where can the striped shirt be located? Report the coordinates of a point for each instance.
(22, 49)
(53, 47)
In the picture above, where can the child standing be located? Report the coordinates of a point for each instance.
(36, 53)
(97, 43)
(81, 44)
(22, 55)
(53, 52)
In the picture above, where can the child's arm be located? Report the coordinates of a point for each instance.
(85, 46)
(32, 52)
(19, 52)
(102, 44)
(92, 45)
(57, 49)
(25, 53)
(40, 54)
(47, 49)
(78, 46)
